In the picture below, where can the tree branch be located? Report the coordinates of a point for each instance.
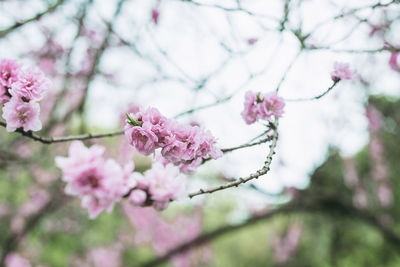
(17, 25)
(50, 140)
(264, 170)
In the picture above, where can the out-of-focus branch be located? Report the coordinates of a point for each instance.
(264, 170)
(328, 207)
(17, 25)
(12, 242)
(315, 97)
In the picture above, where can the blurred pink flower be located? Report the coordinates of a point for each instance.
(161, 183)
(393, 62)
(252, 41)
(285, 247)
(155, 14)
(385, 195)
(22, 114)
(16, 260)
(342, 71)
(374, 118)
(100, 182)
(9, 70)
(105, 257)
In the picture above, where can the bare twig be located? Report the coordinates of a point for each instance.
(264, 170)
(50, 140)
(17, 25)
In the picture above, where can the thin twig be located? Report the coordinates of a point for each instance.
(315, 97)
(17, 25)
(264, 170)
(50, 140)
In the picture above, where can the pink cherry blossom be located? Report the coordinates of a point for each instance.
(161, 184)
(262, 107)
(249, 113)
(9, 70)
(393, 62)
(142, 138)
(22, 114)
(182, 145)
(272, 105)
(31, 85)
(16, 260)
(100, 182)
(137, 197)
(342, 71)
(155, 14)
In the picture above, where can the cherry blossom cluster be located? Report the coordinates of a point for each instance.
(342, 71)
(185, 146)
(157, 186)
(98, 181)
(101, 182)
(20, 91)
(259, 106)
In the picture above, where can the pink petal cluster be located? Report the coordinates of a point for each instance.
(9, 70)
(157, 186)
(342, 71)
(20, 114)
(259, 106)
(183, 145)
(20, 89)
(16, 260)
(166, 235)
(98, 181)
(30, 85)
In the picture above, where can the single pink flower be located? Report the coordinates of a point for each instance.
(137, 197)
(262, 107)
(142, 138)
(22, 114)
(31, 85)
(342, 71)
(272, 105)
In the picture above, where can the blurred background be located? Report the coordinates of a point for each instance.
(331, 197)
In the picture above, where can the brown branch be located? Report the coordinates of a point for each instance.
(328, 207)
(50, 140)
(17, 25)
(315, 97)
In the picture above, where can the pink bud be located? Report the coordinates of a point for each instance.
(137, 197)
